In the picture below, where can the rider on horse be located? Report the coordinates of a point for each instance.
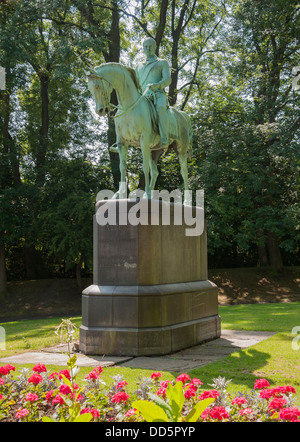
(155, 75)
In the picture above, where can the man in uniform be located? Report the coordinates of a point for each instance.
(155, 75)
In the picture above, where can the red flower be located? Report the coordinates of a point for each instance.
(93, 375)
(58, 400)
(156, 375)
(53, 375)
(261, 383)
(66, 373)
(277, 403)
(1, 397)
(21, 413)
(209, 394)
(190, 392)
(119, 397)
(161, 391)
(121, 384)
(196, 382)
(39, 368)
(245, 411)
(215, 413)
(267, 393)
(31, 397)
(65, 389)
(49, 395)
(239, 401)
(35, 378)
(130, 412)
(183, 378)
(93, 411)
(6, 369)
(291, 414)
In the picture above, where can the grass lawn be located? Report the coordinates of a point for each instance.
(273, 359)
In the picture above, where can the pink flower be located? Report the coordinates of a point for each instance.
(53, 375)
(1, 397)
(215, 413)
(261, 383)
(196, 382)
(93, 375)
(190, 392)
(291, 414)
(209, 394)
(58, 400)
(161, 391)
(156, 375)
(267, 393)
(164, 384)
(66, 373)
(130, 412)
(65, 389)
(31, 397)
(277, 403)
(39, 368)
(6, 369)
(35, 378)
(239, 401)
(183, 378)
(95, 413)
(21, 413)
(49, 395)
(245, 412)
(121, 384)
(2, 382)
(119, 397)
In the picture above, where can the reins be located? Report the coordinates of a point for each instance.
(117, 107)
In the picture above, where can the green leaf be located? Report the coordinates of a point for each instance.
(161, 403)
(66, 381)
(85, 417)
(47, 419)
(72, 362)
(198, 409)
(150, 411)
(176, 398)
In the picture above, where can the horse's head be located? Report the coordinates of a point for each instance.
(101, 90)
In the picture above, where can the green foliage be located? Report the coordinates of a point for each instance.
(158, 410)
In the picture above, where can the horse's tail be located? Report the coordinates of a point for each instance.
(190, 134)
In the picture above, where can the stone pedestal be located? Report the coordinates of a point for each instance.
(150, 293)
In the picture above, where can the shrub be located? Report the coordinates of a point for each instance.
(41, 396)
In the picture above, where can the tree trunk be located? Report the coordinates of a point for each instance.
(3, 275)
(78, 274)
(30, 262)
(274, 252)
(43, 143)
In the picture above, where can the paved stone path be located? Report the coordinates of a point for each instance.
(181, 361)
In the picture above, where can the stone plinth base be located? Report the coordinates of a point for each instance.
(150, 294)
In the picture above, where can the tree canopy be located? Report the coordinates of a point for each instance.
(232, 67)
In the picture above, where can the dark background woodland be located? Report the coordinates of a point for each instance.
(232, 71)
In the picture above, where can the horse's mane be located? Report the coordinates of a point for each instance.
(131, 71)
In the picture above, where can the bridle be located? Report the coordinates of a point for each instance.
(114, 107)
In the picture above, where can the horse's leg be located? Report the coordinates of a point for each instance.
(184, 174)
(123, 155)
(145, 147)
(153, 173)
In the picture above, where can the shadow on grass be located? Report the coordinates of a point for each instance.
(239, 367)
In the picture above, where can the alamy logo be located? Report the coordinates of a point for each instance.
(2, 78)
(144, 211)
(296, 79)
(2, 339)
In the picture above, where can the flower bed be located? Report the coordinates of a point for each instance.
(39, 395)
